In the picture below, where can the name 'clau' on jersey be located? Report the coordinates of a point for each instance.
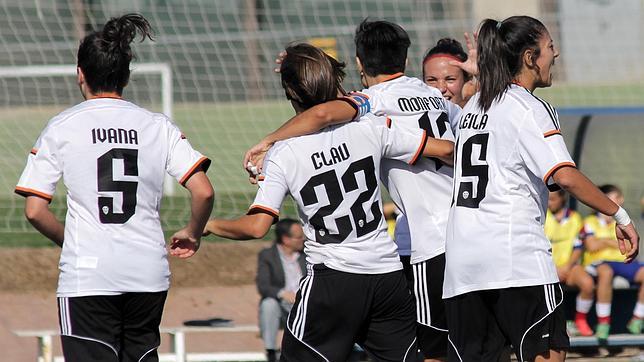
(333, 177)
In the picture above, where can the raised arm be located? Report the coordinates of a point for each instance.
(185, 242)
(579, 186)
(247, 227)
(307, 122)
(40, 216)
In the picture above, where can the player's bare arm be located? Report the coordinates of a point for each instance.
(307, 122)
(247, 227)
(40, 216)
(441, 149)
(185, 242)
(579, 186)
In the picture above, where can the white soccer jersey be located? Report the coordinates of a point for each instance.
(333, 177)
(423, 191)
(504, 161)
(113, 156)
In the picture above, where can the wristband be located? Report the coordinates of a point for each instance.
(621, 217)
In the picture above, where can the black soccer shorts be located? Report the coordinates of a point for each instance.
(427, 286)
(333, 310)
(111, 328)
(531, 319)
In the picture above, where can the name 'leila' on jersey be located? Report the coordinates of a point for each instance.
(473, 121)
(115, 135)
(331, 157)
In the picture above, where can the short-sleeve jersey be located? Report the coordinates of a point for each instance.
(112, 156)
(563, 235)
(422, 191)
(333, 177)
(598, 227)
(505, 158)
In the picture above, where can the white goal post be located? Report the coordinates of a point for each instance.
(163, 69)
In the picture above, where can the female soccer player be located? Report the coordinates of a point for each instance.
(355, 291)
(113, 156)
(444, 68)
(604, 260)
(501, 284)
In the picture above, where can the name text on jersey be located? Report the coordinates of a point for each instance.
(331, 157)
(115, 135)
(473, 121)
(415, 104)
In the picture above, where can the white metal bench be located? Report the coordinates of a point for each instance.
(177, 348)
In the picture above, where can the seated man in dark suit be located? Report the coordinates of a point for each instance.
(279, 270)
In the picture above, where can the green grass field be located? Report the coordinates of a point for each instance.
(224, 131)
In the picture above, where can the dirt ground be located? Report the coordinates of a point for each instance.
(217, 282)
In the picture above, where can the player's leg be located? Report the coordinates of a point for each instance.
(473, 334)
(533, 319)
(390, 333)
(141, 318)
(328, 312)
(604, 300)
(430, 307)
(270, 315)
(90, 328)
(634, 273)
(579, 278)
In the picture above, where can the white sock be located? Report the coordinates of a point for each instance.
(583, 305)
(639, 310)
(603, 309)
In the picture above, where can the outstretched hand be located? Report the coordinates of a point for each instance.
(184, 245)
(628, 241)
(469, 66)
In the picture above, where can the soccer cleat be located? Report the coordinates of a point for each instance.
(602, 331)
(583, 328)
(635, 326)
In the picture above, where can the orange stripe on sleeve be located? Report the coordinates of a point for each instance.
(254, 209)
(420, 149)
(193, 168)
(25, 191)
(551, 133)
(388, 122)
(555, 168)
(33, 151)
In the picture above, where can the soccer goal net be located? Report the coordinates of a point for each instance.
(224, 94)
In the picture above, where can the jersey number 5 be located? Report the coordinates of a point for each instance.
(106, 183)
(329, 180)
(465, 196)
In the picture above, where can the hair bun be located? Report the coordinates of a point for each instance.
(119, 32)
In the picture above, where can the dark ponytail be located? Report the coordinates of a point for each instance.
(104, 56)
(501, 45)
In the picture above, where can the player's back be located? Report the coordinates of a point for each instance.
(333, 177)
(505, 158)
(113, 156)
(423, 190)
